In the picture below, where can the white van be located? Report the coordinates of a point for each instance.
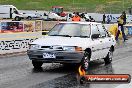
(10, 11)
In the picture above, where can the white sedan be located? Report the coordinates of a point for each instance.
(73, 42)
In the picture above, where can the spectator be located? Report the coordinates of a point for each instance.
(120, 28)
(76, 17)
(111, 17)
(104, 18)
(108, 19)
(124, 16)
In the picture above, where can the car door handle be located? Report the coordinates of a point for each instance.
(100, 41)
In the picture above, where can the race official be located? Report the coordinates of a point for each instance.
(76, 17)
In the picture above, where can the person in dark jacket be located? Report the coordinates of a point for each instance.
(108, 19)
(124, 16)
(104, 17)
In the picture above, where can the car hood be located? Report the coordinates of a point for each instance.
(62, 41)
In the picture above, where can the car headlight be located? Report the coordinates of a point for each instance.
(34, 46)
(70, 48)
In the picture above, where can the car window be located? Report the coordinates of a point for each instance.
(101, 30)
(56, 29)
(15, 11)
(95, 29)
(71, 29)
(85, 30)
(107, 33)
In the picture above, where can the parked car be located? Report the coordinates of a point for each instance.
(10, 11)
(73, 42)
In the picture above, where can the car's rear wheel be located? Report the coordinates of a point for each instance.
(109, 57)
(37, 64)
(85, 61)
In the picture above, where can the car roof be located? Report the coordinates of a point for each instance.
(81, 22)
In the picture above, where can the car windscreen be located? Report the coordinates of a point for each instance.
(70, 29)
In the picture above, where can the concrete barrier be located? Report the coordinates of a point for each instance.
(17, 42)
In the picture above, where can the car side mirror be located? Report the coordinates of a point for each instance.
(95, 36)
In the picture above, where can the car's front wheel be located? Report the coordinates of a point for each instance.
(85, 61)
(37, 64)
(109, 57)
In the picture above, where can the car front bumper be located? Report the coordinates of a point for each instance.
(61, 56)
